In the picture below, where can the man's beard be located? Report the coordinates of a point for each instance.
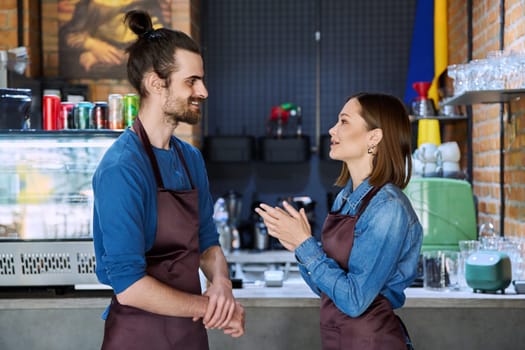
(180, 112)
(187, 116)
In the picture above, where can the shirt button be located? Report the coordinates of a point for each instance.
(309, 273)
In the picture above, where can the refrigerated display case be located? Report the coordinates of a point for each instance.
(46, 204)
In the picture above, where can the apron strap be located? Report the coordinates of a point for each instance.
(366, 200)
(183, 160)
(143, 136)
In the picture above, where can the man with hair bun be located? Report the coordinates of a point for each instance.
(153, 225)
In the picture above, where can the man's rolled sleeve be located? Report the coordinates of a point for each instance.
(123, 271)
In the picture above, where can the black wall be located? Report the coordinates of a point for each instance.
(261, 53)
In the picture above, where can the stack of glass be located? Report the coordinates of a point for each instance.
(499, 70)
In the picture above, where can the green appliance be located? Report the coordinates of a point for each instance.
(488, 271)
(445, 207)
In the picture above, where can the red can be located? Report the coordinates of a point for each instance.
(99, 115)
(65, 116)
(50, 109)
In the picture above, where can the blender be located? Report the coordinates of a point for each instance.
(233, 202)
(422, 106)
(423, 109)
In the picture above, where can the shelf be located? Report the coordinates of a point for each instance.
(229, 148)
(67, 132)
(485, 96)
(490, 96)
(285, 150)
(413, 118)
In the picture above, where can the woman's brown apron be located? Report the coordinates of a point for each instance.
(378, 327)
(173, 260)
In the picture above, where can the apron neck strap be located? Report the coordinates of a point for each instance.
(144, 139)
(366, 200)
(183, 160)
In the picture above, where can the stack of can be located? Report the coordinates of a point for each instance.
(117, 113)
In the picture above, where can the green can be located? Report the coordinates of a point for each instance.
(82, 115)
(131, 109)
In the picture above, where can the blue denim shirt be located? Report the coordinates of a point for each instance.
(387, 243)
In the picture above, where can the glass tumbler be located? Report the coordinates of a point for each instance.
(466, 248)
(440, 270)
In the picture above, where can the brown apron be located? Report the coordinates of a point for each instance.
(378, 328)
(173, 260)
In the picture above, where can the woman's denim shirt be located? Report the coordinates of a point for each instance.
(384, 256)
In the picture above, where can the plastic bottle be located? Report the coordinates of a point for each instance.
(220, 217)
(298, 122)
(262, 240)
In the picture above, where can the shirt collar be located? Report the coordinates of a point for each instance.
(354, 198)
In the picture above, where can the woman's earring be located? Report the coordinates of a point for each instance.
(371, 149)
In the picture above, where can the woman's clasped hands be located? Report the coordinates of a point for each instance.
(289, 225)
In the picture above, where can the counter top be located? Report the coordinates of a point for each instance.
(264, 257)
(423, 298)
(296, 294)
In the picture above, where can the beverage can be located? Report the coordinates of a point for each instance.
(82, 115)
(131, 109)
(115, 112)
(50, 109)
(65, 118)
(99, 115)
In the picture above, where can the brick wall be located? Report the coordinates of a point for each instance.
(486, 117)
(32, 35)
(515, 129)
(457, 51)
(8, 24)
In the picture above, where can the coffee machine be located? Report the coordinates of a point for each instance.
(15, 105)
